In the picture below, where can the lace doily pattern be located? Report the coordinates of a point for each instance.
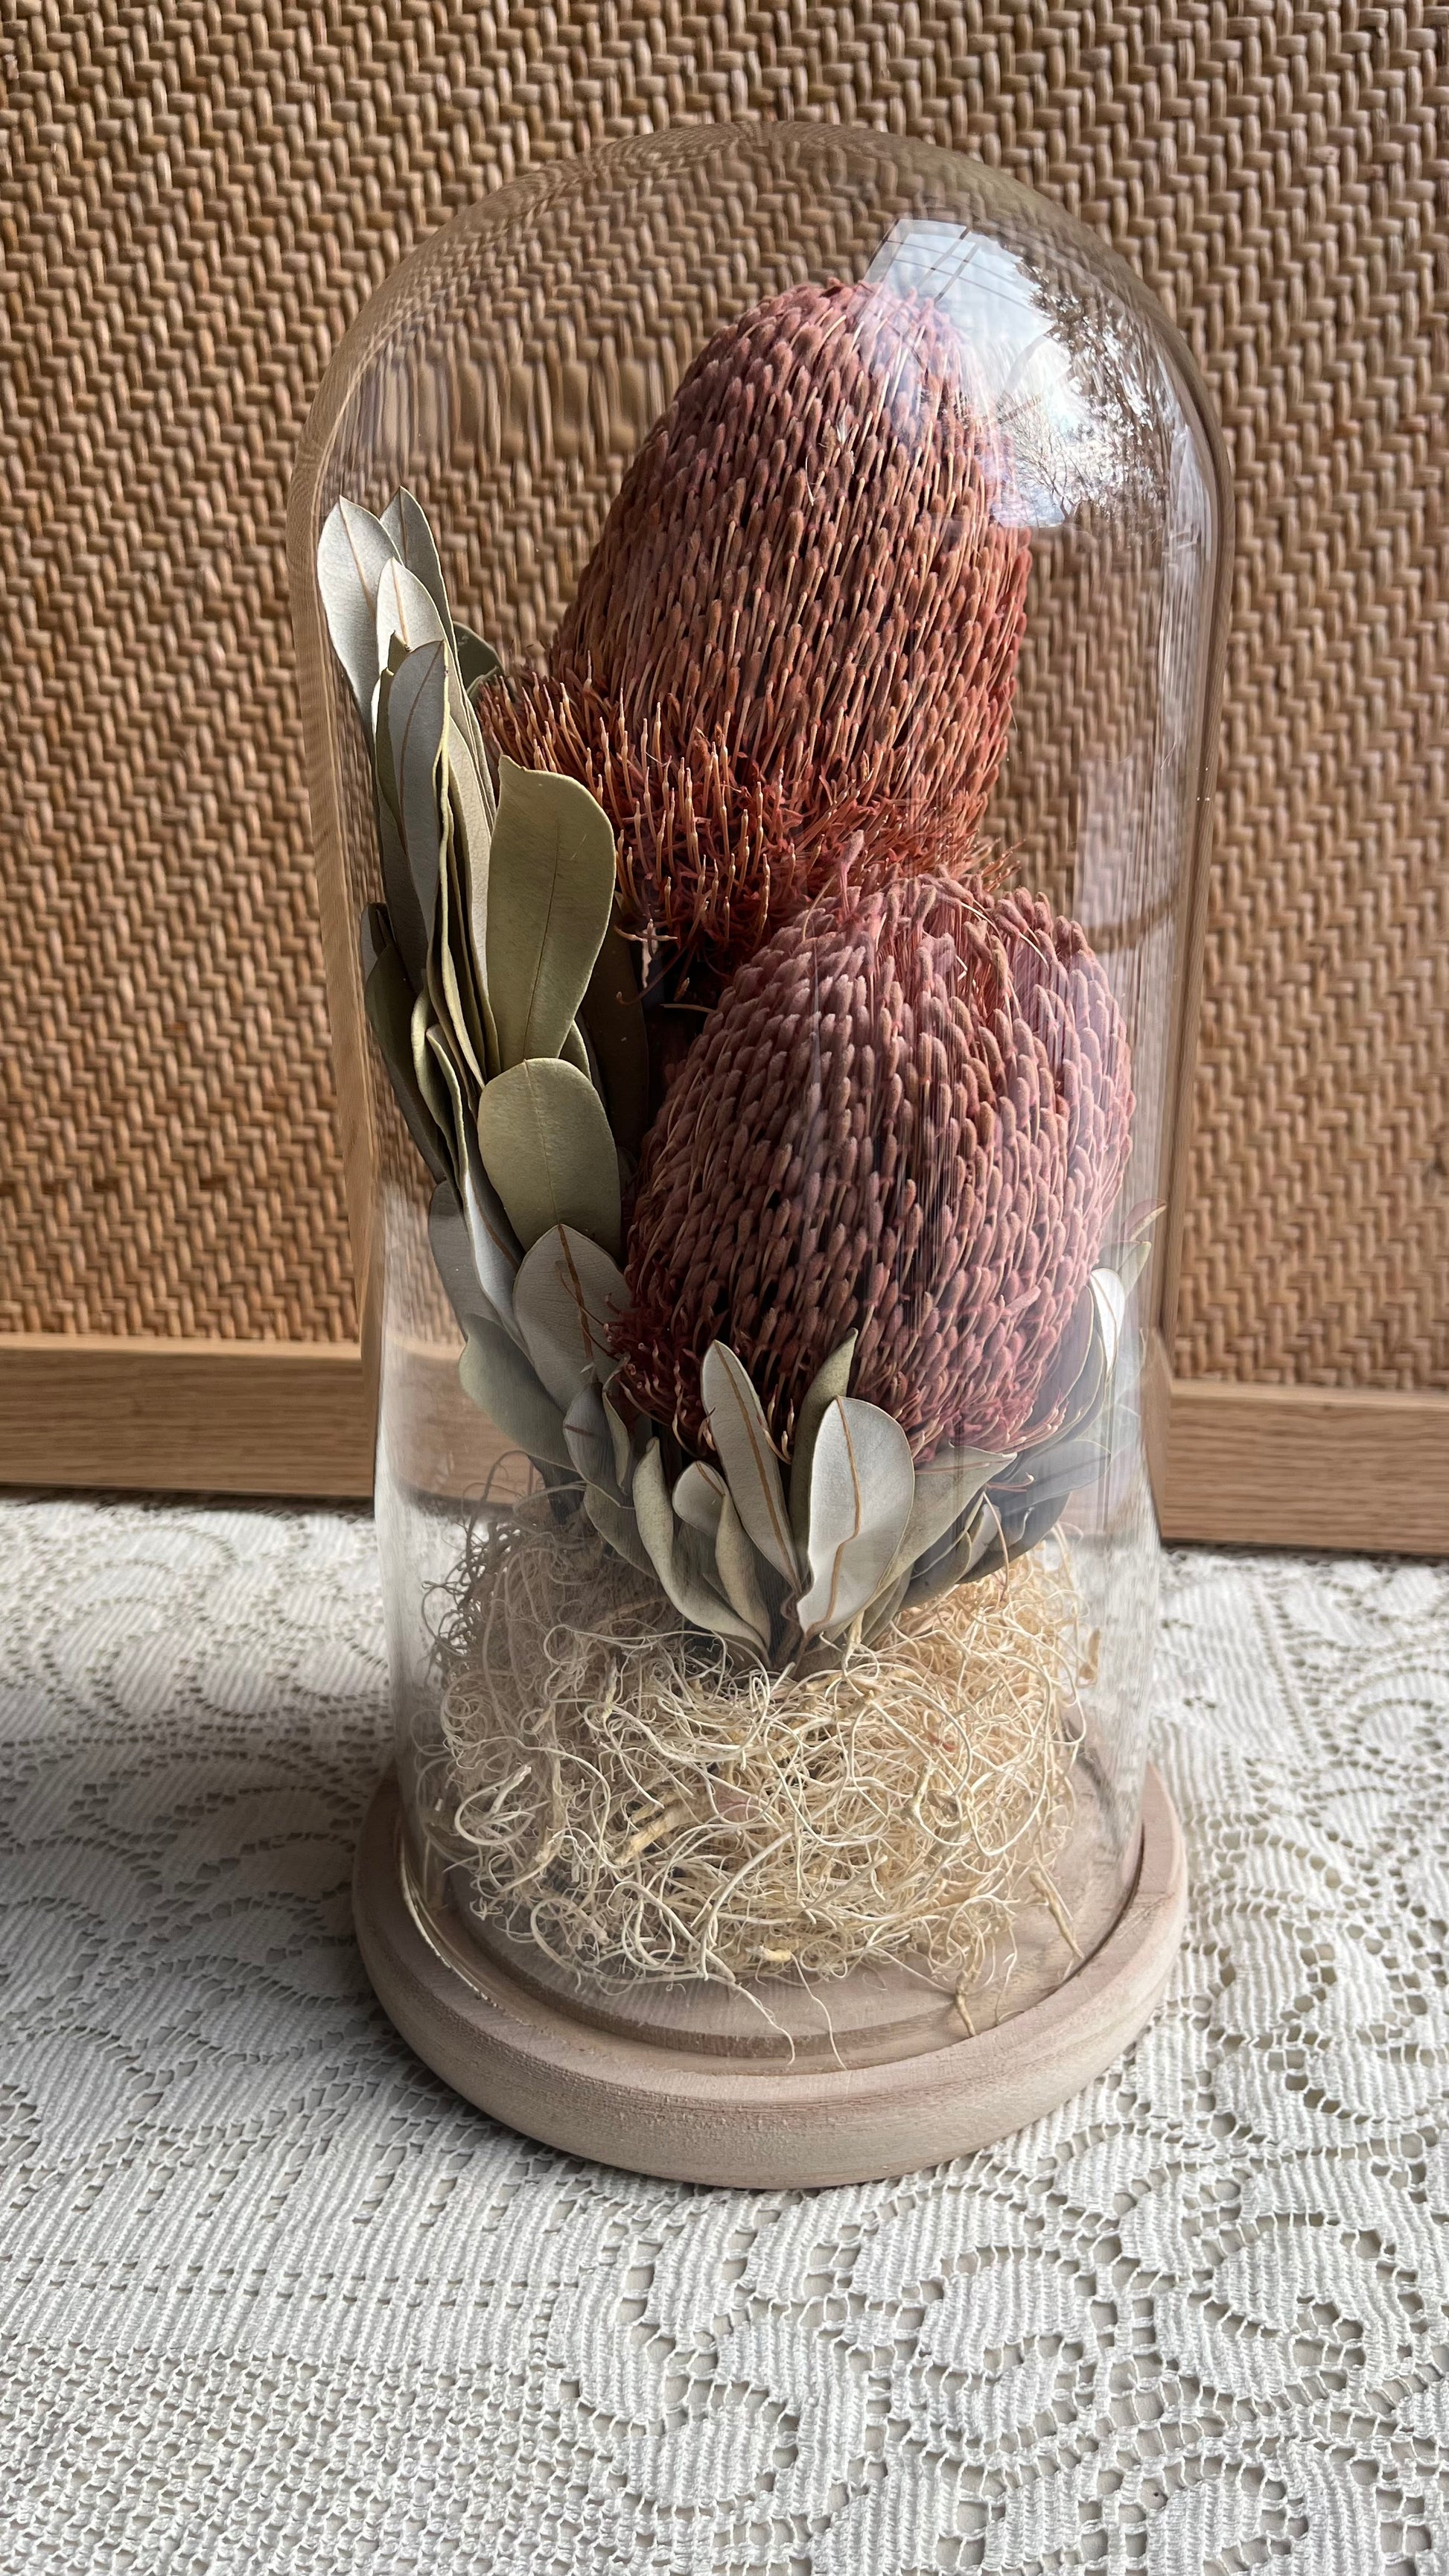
(273, 2300)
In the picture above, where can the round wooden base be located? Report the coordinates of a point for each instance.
(697, 2117)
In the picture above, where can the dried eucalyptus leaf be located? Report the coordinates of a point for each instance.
(495, 1246)
(587, 1432)
(374, 936)
(477, 660)
(878, 1614)
(406, 523)
(547, 1149)
(550, 890)
(451, 1246)
(463, 975)
(1132, 1261)
(738, 1568)
(405, 611)
(573, 1051)
(862, 1486)
(387, 999)
(452, 994)
(741, 1437)
(497, 1378)
(404, 910)
(353, 552)
(699, 1498)
(941, 1569)
(474, 832)
(616, 1524)
(467, 715)
(1111, 1302)
(470, 814)
(1059, 1468)
(439, 1056)
(954, 1481)
(612, 1019)
(382, 760)
(830, 1381)
(1085, 1385)
(567, 1297)
(677, 1555)
(417, 715)
(1005, 1536)
(626, 1447)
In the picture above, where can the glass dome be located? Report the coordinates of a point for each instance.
(762, 1067)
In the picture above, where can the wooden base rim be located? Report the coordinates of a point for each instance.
(690, 2118)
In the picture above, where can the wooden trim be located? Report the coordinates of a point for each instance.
(1252, 1466)
(185, 1416)
(705, 2116)
(1302, 1466)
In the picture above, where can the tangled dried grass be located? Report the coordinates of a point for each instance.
(640, 1801)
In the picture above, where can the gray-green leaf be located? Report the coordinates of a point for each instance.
(862, 1485)
(940, 1570)
(954, 1481)
(406, 523)
(406, 610)
(829, 1381)
(739, 1572)
(387, 999)
(353, 552)
(678, 1556)
(451, 1246)
(567, 1298)
(1110, 1297)
(616, 1524)
(550, 889)
(741, 1437)
(547, 1149)
(699, 1498)
(495, 1247)
(472, 809)
(1132, 1261)
(417, 717)
(450, 980)
(574, 1051)
(587, 1432)
(404, 909)
(438, 1054)
(613, 1019)
(497, 1378)
(477, 660)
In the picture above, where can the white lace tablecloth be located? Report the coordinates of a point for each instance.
(273, 2300)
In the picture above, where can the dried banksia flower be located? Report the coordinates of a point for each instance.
(799, 630)
(907, 1118)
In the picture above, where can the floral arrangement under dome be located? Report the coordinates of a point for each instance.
(775, 1142)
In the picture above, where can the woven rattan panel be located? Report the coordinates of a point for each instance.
(195, 203)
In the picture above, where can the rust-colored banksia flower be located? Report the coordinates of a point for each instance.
(798, 633)
(908, 1118)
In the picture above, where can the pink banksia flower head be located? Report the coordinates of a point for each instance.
(907, 1118)
(799, 630)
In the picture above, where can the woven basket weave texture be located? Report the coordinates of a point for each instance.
(195, 204)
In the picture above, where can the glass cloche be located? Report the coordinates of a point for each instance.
(758, 593)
